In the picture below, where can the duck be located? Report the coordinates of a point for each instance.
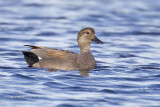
(44, 57)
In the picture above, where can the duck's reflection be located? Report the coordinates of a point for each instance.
(81, 72)
(84, 72)
(52, 70)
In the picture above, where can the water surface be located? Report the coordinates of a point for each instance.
(128, 73)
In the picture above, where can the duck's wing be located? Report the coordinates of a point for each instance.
(44, 52)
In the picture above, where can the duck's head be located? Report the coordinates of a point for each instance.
(85, 37)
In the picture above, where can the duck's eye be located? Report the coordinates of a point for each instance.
(87, 32)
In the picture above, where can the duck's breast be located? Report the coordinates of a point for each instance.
(86, 60)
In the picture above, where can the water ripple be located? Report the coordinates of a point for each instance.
(128, 62)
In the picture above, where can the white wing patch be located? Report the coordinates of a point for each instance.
(39, 58)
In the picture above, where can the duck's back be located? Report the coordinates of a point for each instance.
(54, 58)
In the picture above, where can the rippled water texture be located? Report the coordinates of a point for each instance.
(128, 73)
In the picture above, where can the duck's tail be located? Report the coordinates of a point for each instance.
(30, 57)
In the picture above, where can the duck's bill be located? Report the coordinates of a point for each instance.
(95, 39)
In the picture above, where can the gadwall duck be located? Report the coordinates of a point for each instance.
(43, 57)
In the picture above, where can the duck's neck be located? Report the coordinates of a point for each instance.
(84, 48)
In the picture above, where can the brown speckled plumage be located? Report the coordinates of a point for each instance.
(43, 57)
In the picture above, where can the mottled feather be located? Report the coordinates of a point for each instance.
(45, 52)
(43, 57)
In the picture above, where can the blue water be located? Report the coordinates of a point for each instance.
(128, 73)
